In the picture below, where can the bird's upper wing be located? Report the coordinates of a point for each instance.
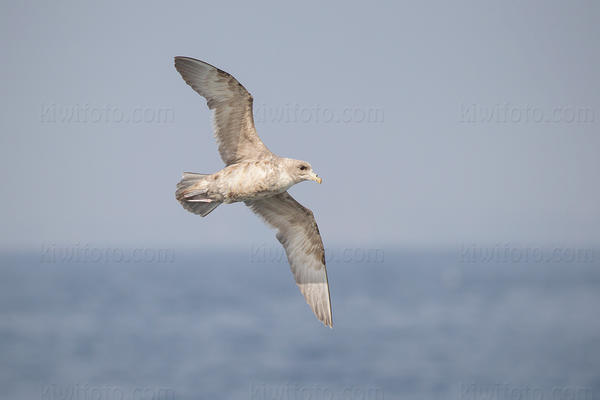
(232, 105)
(298, 233)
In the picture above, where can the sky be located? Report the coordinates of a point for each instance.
(433, 124)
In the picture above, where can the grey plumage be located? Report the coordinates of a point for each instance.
(256, 176)
(194, 201)
(299, 234)
(232, 105)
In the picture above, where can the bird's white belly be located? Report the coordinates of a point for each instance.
(251, 181)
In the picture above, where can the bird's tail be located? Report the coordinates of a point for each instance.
(191, 193)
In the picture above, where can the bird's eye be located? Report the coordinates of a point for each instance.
(302, 167)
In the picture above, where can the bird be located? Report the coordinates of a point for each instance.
(259, 178)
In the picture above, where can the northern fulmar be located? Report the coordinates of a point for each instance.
(259, 178)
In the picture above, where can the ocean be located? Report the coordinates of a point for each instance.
(232, 325)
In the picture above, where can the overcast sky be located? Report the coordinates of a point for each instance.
(432, 125)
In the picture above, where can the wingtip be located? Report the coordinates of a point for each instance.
(327, 321)
(176, 62)
(179, 60)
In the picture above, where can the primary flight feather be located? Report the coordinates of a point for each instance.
(259, 178)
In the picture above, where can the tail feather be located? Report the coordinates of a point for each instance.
(191, 193)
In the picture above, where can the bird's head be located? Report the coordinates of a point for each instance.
(302, 171)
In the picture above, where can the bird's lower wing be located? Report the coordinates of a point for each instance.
(298, 233)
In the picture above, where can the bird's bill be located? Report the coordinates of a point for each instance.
(316, 178)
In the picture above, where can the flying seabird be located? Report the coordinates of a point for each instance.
(259, 178)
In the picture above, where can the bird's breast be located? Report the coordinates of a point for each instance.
(251, 181)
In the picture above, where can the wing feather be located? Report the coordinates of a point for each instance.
(232, 104)
(299, 234)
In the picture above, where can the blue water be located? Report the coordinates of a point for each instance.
(222, 326)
